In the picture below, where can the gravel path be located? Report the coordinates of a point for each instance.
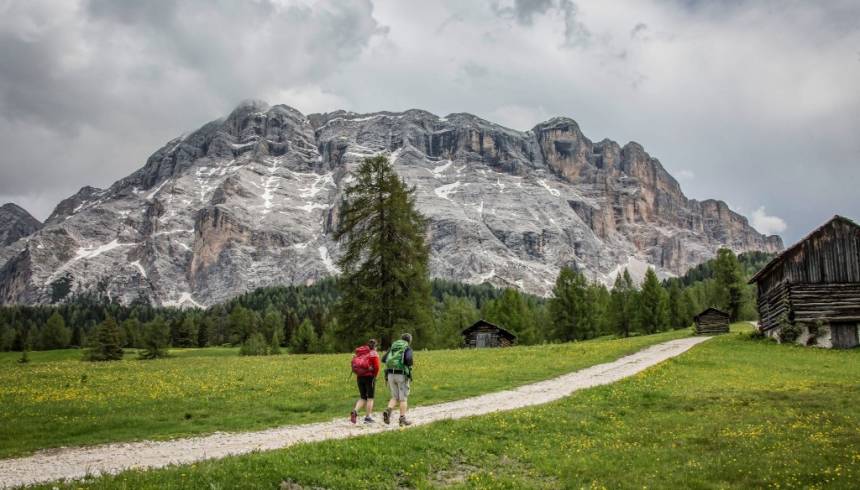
(72, 463)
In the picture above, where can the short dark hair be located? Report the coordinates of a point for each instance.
(407, 337)
(371, 343)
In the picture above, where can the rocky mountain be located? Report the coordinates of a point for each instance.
(15, 223)
(251, 200)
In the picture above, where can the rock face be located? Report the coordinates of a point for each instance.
(15, 223)
(251, 200)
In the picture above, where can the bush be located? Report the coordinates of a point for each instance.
(107, 345)
(789, 332)
(156, 339)
(304, 339)
(254, 346)
(275, 348)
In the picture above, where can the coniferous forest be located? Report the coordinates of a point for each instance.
(576, 310)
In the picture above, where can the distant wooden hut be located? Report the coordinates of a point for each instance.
(810, 293)
(484, 334)
(712, 321)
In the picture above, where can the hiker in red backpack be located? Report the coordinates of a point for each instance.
(365, 365)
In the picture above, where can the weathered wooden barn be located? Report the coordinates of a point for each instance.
(712, 321)
(484, 334)
(810, 293)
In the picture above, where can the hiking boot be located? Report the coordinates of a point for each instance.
(353, 416)
(386, 416)
(369, 420)
(404, 422)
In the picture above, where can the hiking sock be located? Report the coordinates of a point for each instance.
(353, 416)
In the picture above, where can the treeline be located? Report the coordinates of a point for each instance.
(303, 318)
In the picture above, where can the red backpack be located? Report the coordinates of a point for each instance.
(362, 361)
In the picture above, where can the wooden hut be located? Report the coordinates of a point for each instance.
(810, 293)
(484, 334)
(712, 321)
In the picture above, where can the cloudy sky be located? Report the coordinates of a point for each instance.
(756, 103)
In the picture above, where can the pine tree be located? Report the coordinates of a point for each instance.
(456, 315)
(130, 332)
(597, 296)
(304, 339)
(186, 334)
(572, 313)
(622, 301)
(653, 311)
(384, 282)
(273, 323)
(243, 323)
(106, 344)
(155, 339)
(511, 311)
(55, 335)
(275, 344)
(730, 282)
(677, 311)
(328, 340)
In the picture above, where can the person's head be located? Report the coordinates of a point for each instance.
(407, 337)
(371, 343)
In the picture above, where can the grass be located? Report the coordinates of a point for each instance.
(57, 400)
(730, 413)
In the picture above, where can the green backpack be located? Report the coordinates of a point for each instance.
(395, 357)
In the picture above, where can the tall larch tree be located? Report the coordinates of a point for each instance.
(384, 282)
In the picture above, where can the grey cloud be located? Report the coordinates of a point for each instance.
(88, 90)
(525, 10)
(767, 118)
(576, 34)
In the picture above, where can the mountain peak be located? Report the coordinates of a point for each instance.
(251, 200)
(16, 223)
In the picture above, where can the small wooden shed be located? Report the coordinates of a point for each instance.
(484, 334)
(712, 321)
(810, 293)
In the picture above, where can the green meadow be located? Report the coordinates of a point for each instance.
(58, 400)
(731, 412)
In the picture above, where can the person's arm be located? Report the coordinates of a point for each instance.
(375, 366)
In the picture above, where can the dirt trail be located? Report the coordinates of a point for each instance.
(72, 463)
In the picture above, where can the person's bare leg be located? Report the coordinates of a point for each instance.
(403, 408)
(369, 407)
(391, 403)
(359, 405)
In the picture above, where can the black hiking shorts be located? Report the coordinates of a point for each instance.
(366, 387)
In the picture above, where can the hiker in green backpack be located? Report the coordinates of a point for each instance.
(398, 374)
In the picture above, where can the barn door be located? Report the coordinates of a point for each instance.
(484, 339)
(843, 335)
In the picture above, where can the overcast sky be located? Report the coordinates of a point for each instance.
(756, 103)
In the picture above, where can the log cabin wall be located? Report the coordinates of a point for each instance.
(712, 322)
(497, 339)
(817, 280)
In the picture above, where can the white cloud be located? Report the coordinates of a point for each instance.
(518, 116)
(685, 174)
(764, 223)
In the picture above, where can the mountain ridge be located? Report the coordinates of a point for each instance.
(250, 200)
